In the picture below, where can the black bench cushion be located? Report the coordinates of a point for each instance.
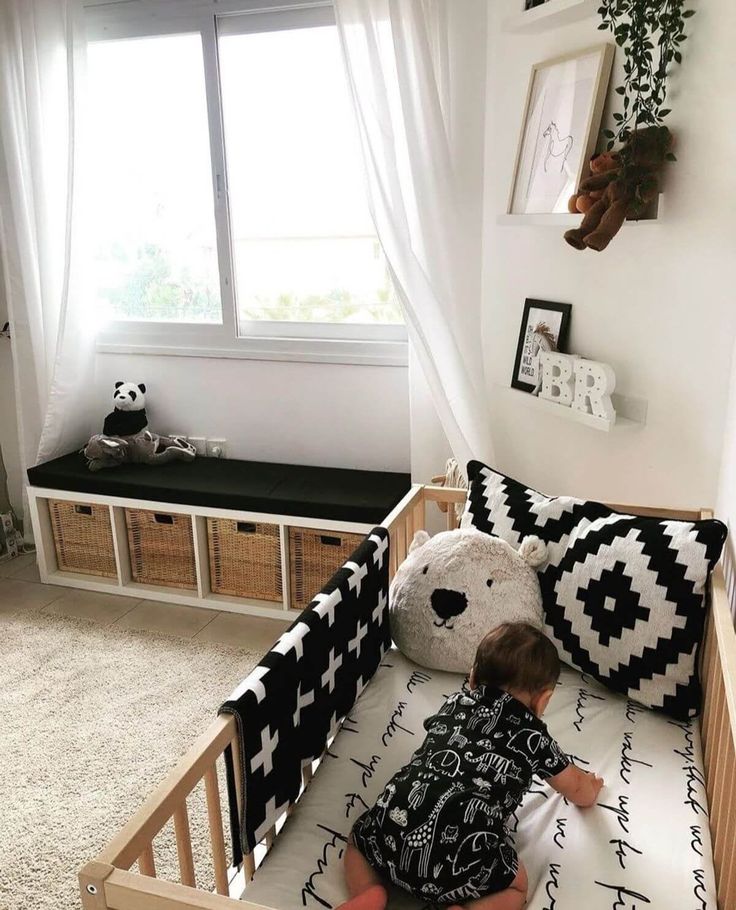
(335, 494)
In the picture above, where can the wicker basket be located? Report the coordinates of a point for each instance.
(83, 538)
(245, 558)
(161, 548)
(314, 557)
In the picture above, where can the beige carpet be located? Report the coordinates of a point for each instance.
(91, 720)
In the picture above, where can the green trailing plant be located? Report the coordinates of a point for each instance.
(651, 33)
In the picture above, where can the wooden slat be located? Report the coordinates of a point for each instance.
(716, 728)
(127, 891)
(249, 866)
(707, 669)
(184, 846)
(420, 516)
(127, 845)
(445, 494)
(411, 528)
(723, 845)
(714, 777)
(711, 678)
(146, 862)
(401, 542)
(237, 774)
(217, 841)
(270, 837)
(393, 562)
(727, 879)
(719, 735)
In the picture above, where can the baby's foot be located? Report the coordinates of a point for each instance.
(374, 898)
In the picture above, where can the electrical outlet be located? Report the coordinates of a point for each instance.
(199, 443)
(217, 448)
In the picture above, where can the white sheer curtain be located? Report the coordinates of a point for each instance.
(396, 54)
(41, 58)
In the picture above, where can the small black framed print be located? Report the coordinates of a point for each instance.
(544, 327)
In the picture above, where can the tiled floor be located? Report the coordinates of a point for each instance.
(20, 588)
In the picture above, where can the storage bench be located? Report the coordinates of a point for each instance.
(246, 536)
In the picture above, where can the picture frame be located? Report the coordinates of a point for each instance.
(555, 317)
(559, 131)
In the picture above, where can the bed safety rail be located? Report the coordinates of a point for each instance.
(111, 883)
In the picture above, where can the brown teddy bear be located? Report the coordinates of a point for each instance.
(583, 201)
(620, 186)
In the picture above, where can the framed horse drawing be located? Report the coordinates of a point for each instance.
(544, 327)
(562, 118)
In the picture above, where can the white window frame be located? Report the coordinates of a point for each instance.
(383, 345)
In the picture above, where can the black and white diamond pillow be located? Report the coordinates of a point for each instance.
(623, 596)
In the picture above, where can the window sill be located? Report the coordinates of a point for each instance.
(301, 350)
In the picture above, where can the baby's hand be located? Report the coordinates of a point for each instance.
(597, 783)
(580, 787)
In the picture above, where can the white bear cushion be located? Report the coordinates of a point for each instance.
(455, 587)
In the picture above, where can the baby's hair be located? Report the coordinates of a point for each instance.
(515, 655)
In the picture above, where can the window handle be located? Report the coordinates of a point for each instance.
(220, 185)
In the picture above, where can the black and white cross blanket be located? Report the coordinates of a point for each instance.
(292, 703)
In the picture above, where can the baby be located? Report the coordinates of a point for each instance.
(438, 829)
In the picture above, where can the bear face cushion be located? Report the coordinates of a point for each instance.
(455, 587)
(623, 596)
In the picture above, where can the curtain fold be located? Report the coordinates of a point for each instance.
(42, 244)
(397, 63)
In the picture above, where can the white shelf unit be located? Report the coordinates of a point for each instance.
(550, 15)
(568, 220)
(589, 420)
(124, 584)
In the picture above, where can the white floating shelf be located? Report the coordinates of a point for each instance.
(597, 423)
(567, 220)
(559, 219)
(550, 15)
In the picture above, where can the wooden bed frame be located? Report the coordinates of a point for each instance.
(107, 883)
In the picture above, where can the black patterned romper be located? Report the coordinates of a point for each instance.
(438, 829)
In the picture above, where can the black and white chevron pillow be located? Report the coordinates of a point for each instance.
(623, 596)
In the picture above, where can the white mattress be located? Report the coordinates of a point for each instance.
(645, 846)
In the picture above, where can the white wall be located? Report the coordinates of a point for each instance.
(304, 413)
(658, 304)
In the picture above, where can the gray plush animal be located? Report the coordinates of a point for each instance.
(127, 439)
(455, 587)
(142, 448)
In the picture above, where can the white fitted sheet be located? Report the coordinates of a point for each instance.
(645, 846)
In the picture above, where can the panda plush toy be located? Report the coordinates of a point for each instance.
(126, 438)
(129, 416)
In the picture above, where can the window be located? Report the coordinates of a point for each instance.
(304, 246)
(229, 201)
(155, 250)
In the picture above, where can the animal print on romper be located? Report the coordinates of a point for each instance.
(439, 828)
